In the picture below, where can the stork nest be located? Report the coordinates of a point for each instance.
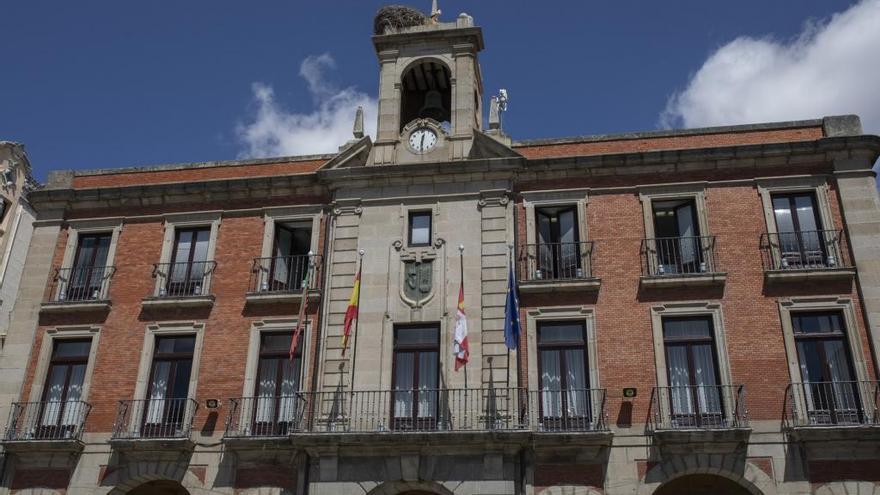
(397, 17)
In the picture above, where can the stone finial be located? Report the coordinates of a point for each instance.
(435, 12)
(494, 114)
(358, 130)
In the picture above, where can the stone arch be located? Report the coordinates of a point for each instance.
(410, 487)
(730, 466)
(570, 490)
(136, 473)
(424, 80)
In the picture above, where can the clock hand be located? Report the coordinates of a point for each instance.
(422, 143)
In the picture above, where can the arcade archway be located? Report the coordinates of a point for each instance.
(160, 487)
(701, 484)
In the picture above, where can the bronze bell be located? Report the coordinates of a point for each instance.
(433, 107)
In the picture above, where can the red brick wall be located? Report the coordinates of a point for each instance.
(859, 470)
(265, 476)
(52, 479)
(547, 475)
(623, 313)
(670, 142)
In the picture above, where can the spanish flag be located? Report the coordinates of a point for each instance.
(351, 314)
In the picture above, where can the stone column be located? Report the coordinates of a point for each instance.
(860, 205)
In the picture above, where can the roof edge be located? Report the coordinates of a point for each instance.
(792, 124)
(207, 164)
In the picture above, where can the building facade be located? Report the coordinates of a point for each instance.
(699, 309)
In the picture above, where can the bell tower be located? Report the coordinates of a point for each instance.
(430, 88)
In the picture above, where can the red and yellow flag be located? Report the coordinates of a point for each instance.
(351, 314)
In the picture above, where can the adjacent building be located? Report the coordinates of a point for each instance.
(699, 309)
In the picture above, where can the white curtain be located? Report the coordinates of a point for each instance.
(72, 408)
(403, 384)
(54, 392)
(287, 409)
(551, 384)
(578, 396)
(265, 407)
(708, 397)
(428, 366)
(158, 393)
(679, 380)
(686, 231)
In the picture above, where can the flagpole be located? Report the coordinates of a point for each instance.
(513, 287)
(357, 322)
(461, 270)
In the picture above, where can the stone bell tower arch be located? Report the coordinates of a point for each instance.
(430, 87)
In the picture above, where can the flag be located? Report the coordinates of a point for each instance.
(351, 313)
(460, 339)
(511, 313)
(301, 320)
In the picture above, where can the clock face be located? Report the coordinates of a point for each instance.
(422, 140)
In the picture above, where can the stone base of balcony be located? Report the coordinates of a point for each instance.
(280, 297)
(817, 275)
(55, 307)
(832, 433)
(712, 441)
(256, 442)
(23, 447)
(178, 302)
(683, 280)
(152, 444)
(550, 286)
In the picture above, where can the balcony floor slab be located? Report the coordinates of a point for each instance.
(28, 446)
(551, 286)
(681, 280)
(58, 307)
(178, 302)
(823, 274)
(279, 297)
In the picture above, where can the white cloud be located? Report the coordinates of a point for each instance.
(832, 68)
(276, 131)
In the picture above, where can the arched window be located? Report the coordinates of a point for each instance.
(426, 92)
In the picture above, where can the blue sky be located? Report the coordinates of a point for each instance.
(103, 83)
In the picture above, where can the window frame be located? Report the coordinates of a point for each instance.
(689, 343)
(561, 347)
(580, 314)
(417, 350)
(411, 214)
(818, 186)
(77, 228)
(185, 221)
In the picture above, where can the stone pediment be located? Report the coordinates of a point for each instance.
(485, 146)
(353, 154)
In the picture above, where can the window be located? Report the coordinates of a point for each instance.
(677, 236)
(166, 408)
(416, 377)
(559, 252)
(420, 228)
(278, 402)
(801, 240)
(62, 410)
(564, 383)
(189, 262)
(290, 260)
(692, 370)
(828, 385)
(86, 278)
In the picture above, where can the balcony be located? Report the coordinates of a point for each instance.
(280, 279)
(46, 426)
(79, 289)
(680, 262)
(151, 422)
(806, 255)
(709, 417)
(557, 267)
(822, 411)
(508, 413)
(182, 285)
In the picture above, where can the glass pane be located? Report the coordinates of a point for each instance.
(180, 386)
(201, 245)
(283, 242)
(417, 336)
(679, 380)
(838, 360)
(72, 349)
(708, 397)
(545, 231)
(549, 333)
(428, 379)
(687, 328)
(158, 390)
(276, 342)
(576, 382)
(812, 368)
(72, 410)
(184, 245)
(782, 213)
(567, 226)
(807, 323)
(806, 213)
(420, 228)
(180, 344)
(266, 390)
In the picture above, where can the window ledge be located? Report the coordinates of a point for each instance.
(280, 297)
(78, 306)
(683, 280)
(817, 274)
(178, 302)
(24, 446)
(567, 285)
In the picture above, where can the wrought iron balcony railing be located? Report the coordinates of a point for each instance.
(838, 403)
(280, 274)
(677, 256)
(425, 410)
(804, 250)
(184, 279)
(46, 421)
(154, 419)
(81, 284)
(699, 407)
(556, 261)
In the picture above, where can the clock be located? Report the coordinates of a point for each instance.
(423, 139)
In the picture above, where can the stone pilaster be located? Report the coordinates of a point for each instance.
(496, 235)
